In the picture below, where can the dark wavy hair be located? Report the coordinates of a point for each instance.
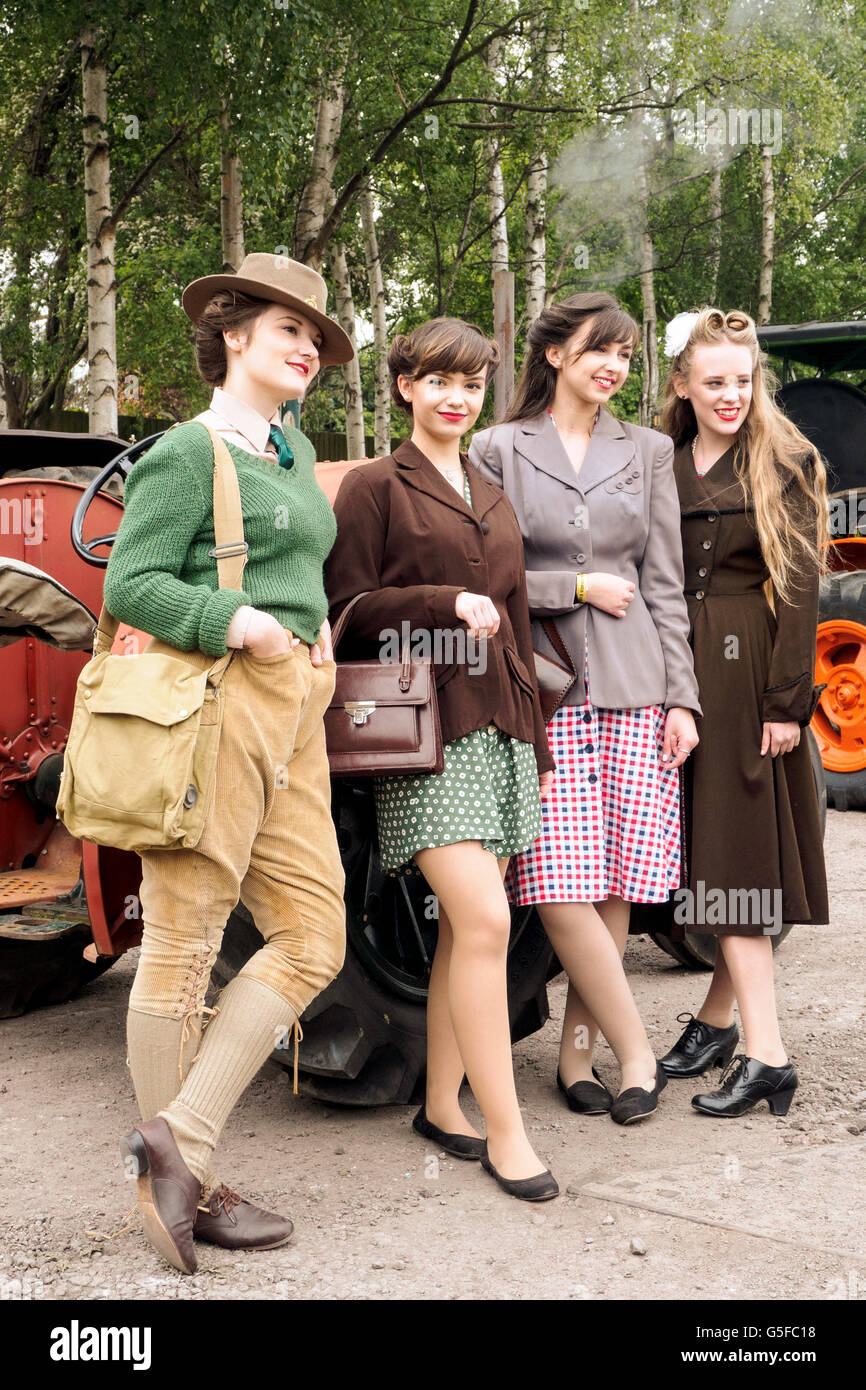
(609, 323)
(226, 310)
(440, 345)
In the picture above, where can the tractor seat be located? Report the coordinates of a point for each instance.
(34, 604)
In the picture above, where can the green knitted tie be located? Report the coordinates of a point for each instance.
(285, 457)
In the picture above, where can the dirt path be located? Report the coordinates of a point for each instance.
(760, 1208)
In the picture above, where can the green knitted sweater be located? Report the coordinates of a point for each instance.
(160, 577)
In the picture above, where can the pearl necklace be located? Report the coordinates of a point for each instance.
(453, 475)
(701, 472)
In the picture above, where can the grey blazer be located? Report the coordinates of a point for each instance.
(620, 514)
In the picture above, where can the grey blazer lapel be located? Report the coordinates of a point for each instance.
(610, 449)
(538, 442)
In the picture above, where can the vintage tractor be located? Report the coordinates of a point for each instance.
(832, 414)
(364, 1036)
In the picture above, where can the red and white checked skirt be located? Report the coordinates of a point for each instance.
(611, 822)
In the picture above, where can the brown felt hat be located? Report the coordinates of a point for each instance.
(280, 281)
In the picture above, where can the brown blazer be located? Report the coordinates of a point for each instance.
(407, 534)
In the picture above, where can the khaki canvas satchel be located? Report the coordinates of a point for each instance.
(140, 762)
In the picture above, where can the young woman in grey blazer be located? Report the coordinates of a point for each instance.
(597, 506)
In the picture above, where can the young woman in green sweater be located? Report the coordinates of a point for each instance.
(268, 839)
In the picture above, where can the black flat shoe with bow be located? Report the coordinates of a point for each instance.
(700, 1046)
(745, 1083)
(587, 1097)
(636, 1103)
(457, 1145)
(539, 1188)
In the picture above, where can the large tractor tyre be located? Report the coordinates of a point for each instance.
(839, 722)
(365, 1035)
(35, 973)
(698, 949)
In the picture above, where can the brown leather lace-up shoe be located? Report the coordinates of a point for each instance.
(168, 1193)
(234, 1223)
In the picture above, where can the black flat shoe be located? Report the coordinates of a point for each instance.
(745, 1083)
(636, 1103)
(586, 1097)
(699, 1047)
(457, 1145)
(539, 1188)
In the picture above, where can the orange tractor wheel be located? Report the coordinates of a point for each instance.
(839, 722)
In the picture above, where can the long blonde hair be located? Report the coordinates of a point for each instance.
(770, 454)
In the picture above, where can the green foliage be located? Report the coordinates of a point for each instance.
(568, 81)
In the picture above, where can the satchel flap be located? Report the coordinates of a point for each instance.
(150, 686)
(380, 682)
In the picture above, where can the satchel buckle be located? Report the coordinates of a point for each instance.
(360, 710)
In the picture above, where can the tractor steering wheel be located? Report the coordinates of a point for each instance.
(121, 464)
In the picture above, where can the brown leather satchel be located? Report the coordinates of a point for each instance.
(554, 680)
(383, 719)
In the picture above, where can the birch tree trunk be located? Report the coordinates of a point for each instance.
(536, 186)
(715, 223)
(317, 194)
(381, 375)
(231, 196)
(4, 416)
(768, 235)
(646, 257)
(355, 441)
(502, 280)
(101, 282)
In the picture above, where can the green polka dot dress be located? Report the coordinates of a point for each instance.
(488, 791)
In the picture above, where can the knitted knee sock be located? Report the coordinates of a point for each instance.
(251, 1019)
(158, 1064)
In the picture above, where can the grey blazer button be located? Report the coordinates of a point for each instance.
(580, 557)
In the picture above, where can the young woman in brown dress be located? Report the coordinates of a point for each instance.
(753, 501)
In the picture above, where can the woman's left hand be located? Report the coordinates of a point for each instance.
(322, 650)
(780, 738)
(681, 737)
(545, 782)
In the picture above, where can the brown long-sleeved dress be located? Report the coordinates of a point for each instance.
(750, 822)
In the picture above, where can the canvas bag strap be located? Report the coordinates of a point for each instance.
(229, 551)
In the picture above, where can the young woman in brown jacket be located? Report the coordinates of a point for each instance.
(753, 498)
(438, 549)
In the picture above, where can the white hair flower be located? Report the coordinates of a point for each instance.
(678, 332)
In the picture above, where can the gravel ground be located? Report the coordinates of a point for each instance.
(682, 1206)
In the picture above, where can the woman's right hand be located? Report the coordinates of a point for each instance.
(609, 592)
(266, 637)
(478, 613)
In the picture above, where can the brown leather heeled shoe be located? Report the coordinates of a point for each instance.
(234, 1223)
(168, 1193)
